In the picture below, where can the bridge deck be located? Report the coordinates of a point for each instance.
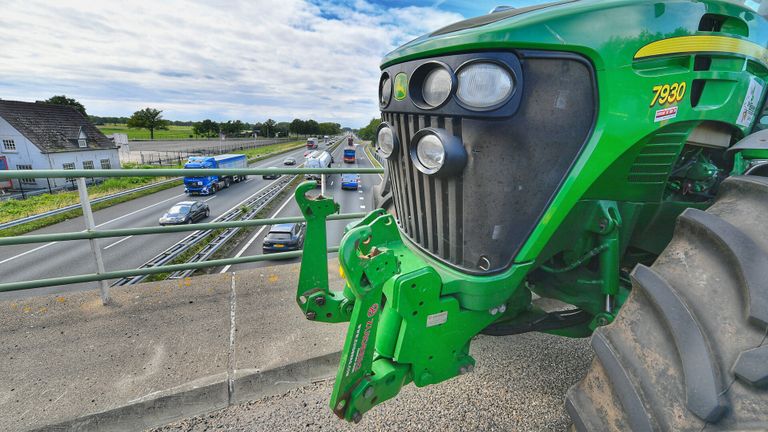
(161, 351)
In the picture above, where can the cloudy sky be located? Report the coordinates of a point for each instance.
(224, 60)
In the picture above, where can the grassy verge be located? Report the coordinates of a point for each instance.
(16, 209)
(370, 156)
(260, 153)
(50, 220)
(173, 132)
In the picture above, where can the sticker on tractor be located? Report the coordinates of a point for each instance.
(665, 114)
(667, 94)
(751, 101)
(437, 319)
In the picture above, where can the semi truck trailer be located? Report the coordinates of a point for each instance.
(207, 185)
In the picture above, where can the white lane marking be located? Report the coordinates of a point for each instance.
(117, 219)
(27, 252)
(137, 211)
(362, 198)
(362, 206)
(248, 180)
(331, 183)
(117, 242)
(97, 226)
(360, 190)
(213, 197)
(258, 233)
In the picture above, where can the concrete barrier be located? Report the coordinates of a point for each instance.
(163, 351)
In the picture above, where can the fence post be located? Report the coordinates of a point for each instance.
(322, 184)
(95, 248)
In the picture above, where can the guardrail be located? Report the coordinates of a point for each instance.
(35, 217)
(92, 235)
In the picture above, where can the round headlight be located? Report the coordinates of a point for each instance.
(437, 87)
(438, 152)
(430, 152)
(385, 90)
(484, 85)
(386, 140)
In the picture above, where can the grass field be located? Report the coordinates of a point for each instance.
(173, 132)
(259, 153)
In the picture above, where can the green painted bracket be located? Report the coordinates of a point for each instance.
(366, 268)
(313, 295)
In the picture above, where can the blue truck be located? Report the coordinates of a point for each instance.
(206, 185)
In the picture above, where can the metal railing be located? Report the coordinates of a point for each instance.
(92, 235)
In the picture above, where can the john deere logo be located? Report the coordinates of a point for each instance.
(401, 86)
(372, 310)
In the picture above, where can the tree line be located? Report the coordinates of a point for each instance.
(368, 133)
(152, 120)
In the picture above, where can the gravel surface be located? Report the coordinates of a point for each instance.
(518, 385)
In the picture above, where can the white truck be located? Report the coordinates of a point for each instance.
(317, 159)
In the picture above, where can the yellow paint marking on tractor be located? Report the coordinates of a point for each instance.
(692, 44)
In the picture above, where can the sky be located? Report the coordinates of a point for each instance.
(223, 60)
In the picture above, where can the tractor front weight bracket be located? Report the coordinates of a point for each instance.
(313, 295)
(402, 328)
(359, 385)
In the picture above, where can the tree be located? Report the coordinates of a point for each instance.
(231, 128)
(268, 128)
(298, 126)
(368, 133)
(64, 100)
(283, 128)
(206, 128)
(329, 129)
(148, 118)
(312, 127)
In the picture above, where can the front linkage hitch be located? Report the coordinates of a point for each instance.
(400, 327)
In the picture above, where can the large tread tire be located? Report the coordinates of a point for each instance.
(688, 351)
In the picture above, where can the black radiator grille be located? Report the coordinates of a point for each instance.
(437, 225)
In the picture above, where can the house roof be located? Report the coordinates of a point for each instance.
(53, 128)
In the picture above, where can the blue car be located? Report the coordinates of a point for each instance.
(350, 181)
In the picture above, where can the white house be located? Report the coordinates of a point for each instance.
(44, 136)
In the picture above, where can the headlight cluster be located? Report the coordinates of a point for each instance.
(478, 85)
(484, 85)
(433, 151)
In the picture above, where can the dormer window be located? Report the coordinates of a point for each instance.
(82, 139)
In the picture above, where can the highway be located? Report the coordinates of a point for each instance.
(349, 200)
(37, 261)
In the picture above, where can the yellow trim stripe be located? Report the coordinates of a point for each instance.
(692, 44)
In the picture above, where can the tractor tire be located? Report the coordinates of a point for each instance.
(688, 350)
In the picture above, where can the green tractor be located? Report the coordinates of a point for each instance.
(609, 155)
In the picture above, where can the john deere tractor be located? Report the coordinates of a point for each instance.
(608, 155)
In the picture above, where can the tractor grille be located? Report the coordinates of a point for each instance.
(429, 208)
(477, 220)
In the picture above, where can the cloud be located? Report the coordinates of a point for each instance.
(232, 60)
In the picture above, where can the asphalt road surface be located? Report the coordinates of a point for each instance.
(349, 200)
(519, 384)
(37, 261)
